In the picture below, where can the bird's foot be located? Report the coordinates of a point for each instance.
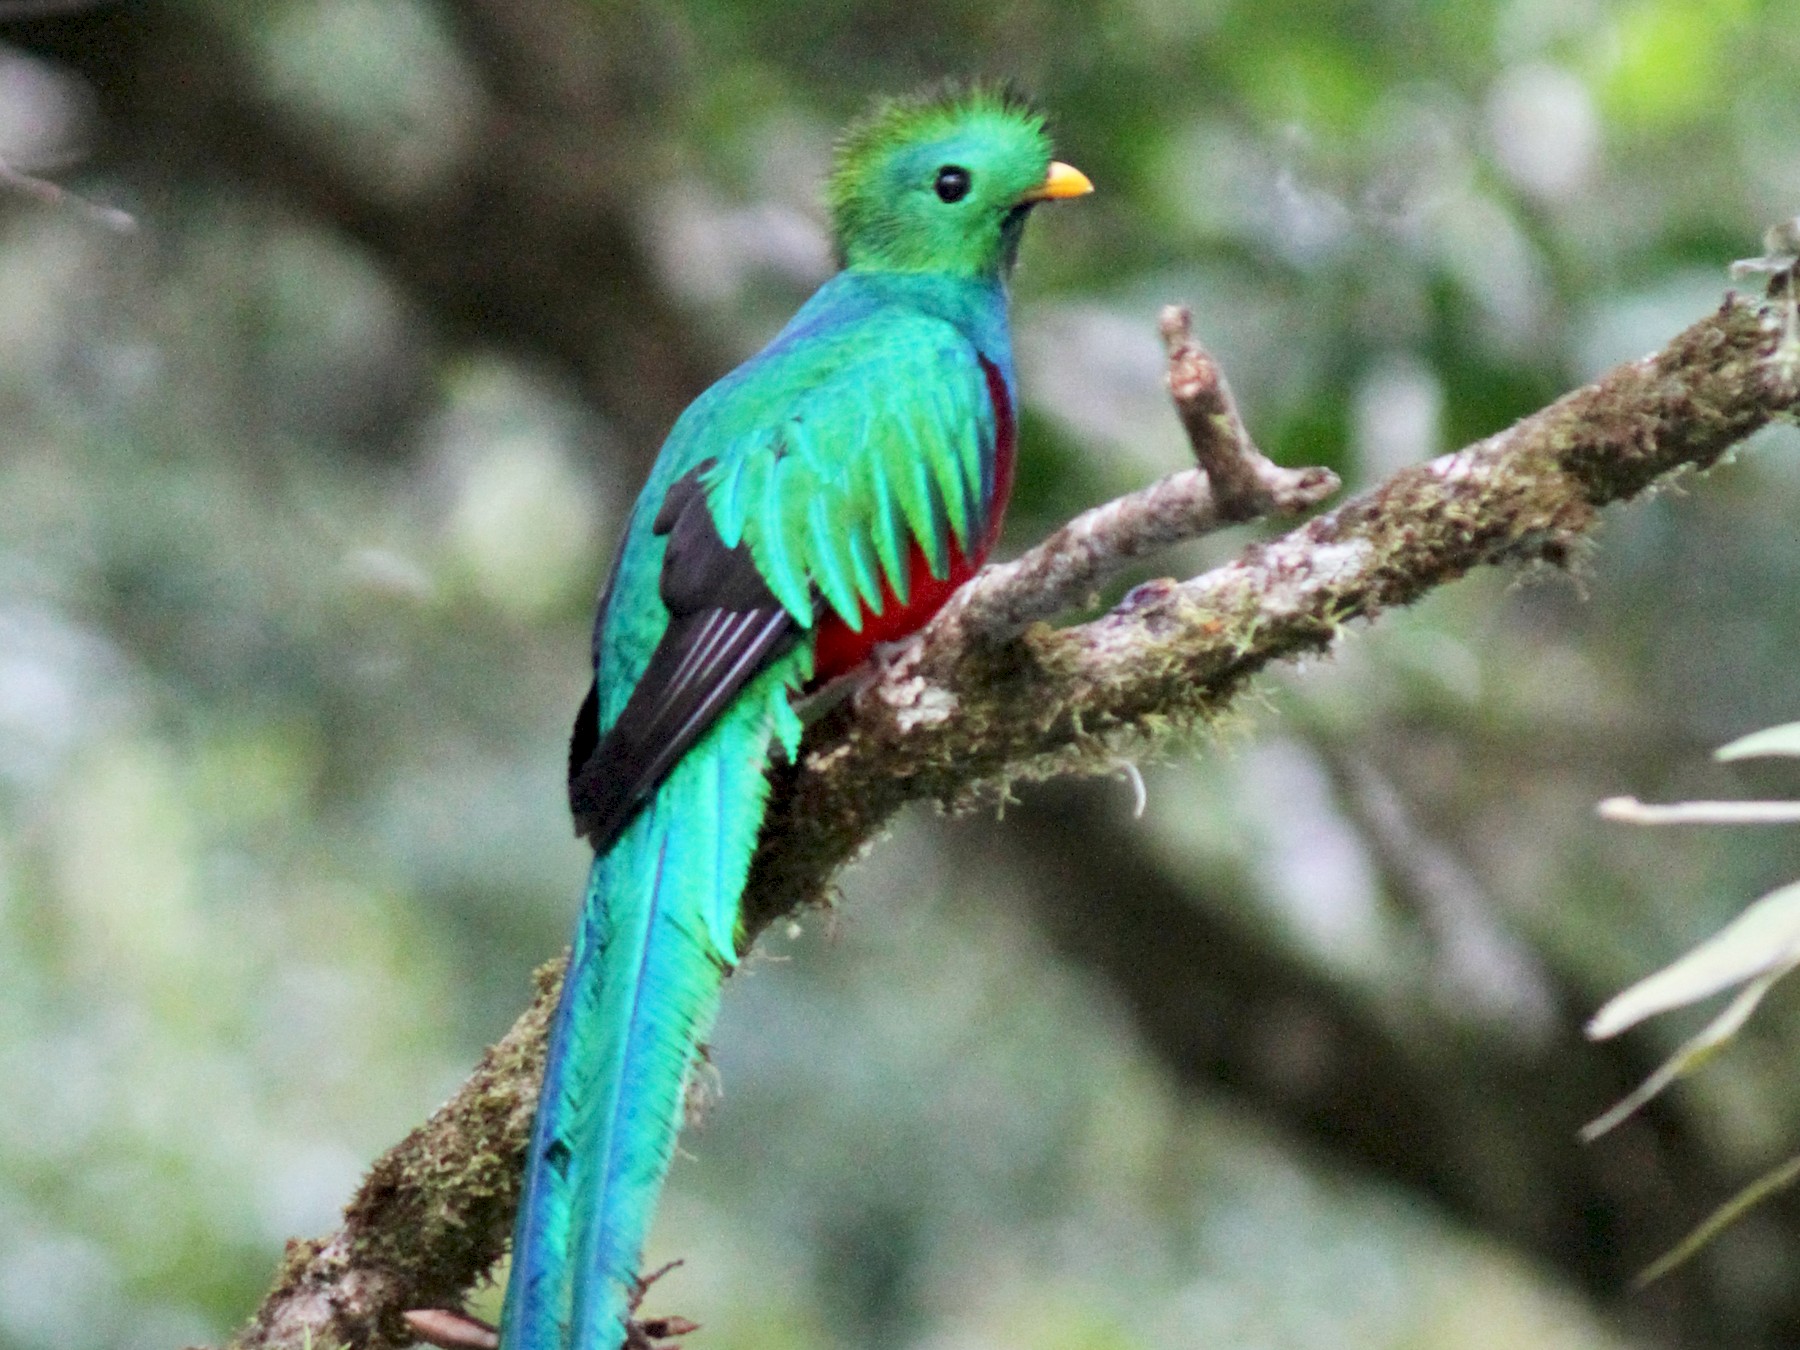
(886, 659)
(889, 657)
(894, 679)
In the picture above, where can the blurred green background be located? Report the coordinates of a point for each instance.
(307, 484)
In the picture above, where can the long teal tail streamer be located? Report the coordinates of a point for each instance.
(656, 939)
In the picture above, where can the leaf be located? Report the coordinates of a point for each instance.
(1693, 1053)
(1720, 1219)
(1631, 811)
(1781, 740)
(1765, 938)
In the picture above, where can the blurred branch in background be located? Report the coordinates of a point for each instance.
(1352, 1078)
(43, 190)
(519, 229)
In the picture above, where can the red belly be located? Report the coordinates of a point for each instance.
(840, 649)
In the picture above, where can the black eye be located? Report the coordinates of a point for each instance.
(952, 183)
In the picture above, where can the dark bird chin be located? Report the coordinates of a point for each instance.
(1012, 230)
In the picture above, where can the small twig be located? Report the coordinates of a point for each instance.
(642, 1285)
(1234, 483)
(1482, 969)
(53, 194)
(451, 1330)
(1633, 812)
(1245, 483)
(1770, 1183)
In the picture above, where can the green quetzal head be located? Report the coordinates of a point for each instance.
(942, 183)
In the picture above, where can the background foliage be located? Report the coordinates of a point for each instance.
(307, 483)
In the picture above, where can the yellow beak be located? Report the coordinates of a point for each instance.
(1063, 180)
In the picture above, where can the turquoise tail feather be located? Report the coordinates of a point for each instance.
(656, 939)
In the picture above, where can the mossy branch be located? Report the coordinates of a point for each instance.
(980, 700)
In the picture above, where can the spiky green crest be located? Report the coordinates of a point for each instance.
(886, 211)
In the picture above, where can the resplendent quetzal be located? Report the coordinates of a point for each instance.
(826, 496)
